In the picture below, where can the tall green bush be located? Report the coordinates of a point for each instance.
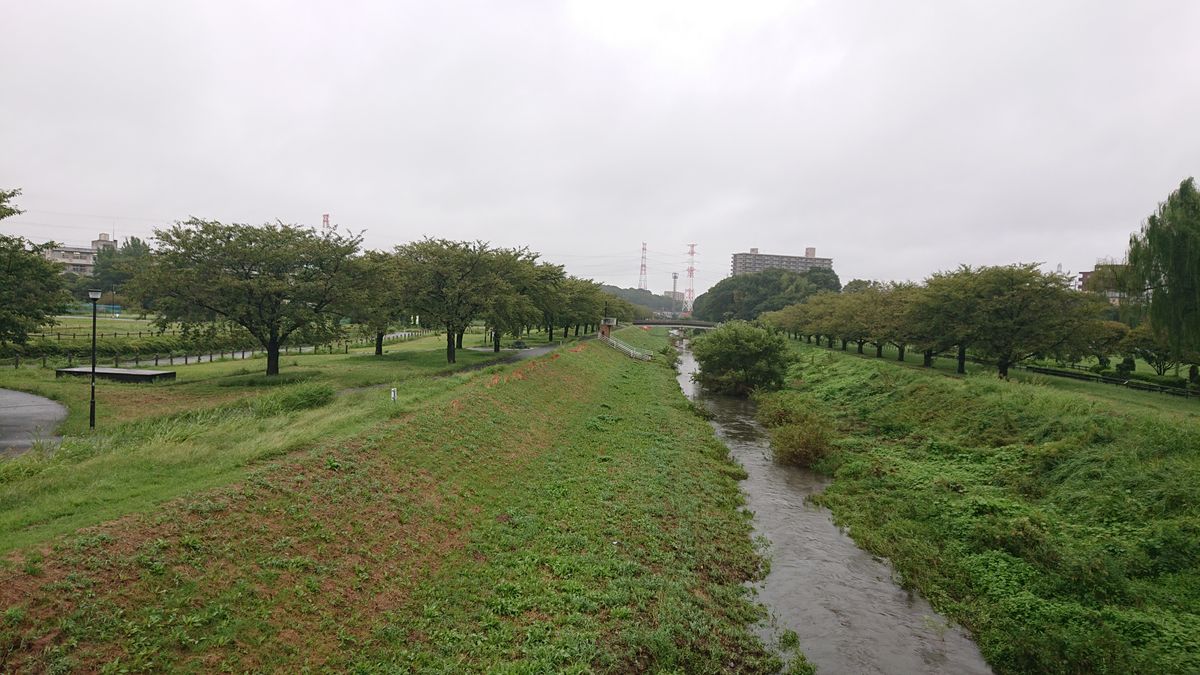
(738, 358)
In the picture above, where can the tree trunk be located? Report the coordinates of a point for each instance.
(565, 329)
(496, 341)
(1002, 367)
(808, 338)
(844, 343)
(900, 348)
(458, 338)
(879, 350)
(860, 345)
(273, 356)
(576, 330)
(379, 343)
(962, 360)
(449, 346)
(928, 354)
(549, 332)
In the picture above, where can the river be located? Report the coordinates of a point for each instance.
(842, 602)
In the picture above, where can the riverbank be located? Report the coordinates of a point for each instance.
(1062, 530)
(565, 514)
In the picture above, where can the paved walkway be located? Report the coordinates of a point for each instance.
(24, 419)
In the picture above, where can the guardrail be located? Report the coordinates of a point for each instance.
(627, 350)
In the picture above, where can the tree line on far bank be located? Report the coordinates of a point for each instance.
(1007, 314)
(286, 285)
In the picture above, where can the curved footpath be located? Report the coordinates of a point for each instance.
(26, 419)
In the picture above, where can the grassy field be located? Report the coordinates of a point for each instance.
(1061, 526)
(157, 441)
(1150, 401)
(565, 514)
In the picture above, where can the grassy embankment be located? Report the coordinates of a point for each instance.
(1151, 401)
(157, 441)
(562, 514)
(1062, 528)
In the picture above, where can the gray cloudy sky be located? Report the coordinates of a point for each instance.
(897, 137)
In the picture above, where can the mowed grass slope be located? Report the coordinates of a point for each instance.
(565, 514)
(157, 441)
(1063, 530)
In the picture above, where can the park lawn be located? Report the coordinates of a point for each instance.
(201, 385)
(564, 514)
(157, 441)
(1062, 529)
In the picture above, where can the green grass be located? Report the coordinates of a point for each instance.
(566, 514)
(157, 441)
(1062, 528)
(1150, 401)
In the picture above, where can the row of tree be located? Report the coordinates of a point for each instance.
(1004, 313)
(284, 285)
(1010, 313)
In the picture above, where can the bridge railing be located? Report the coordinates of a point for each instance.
(626, 349)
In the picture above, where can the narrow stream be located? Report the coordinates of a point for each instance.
(850, 615)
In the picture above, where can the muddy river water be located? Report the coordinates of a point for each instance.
(841, 601)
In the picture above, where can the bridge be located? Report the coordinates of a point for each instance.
(676, 323)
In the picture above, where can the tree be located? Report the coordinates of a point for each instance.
(745, 296)
(448, 283)
(375, 299)
(32, 290)
(520, 282)
(1151, 347)
(7, 208)
(1021, 311)
(944, 313)
(738, 357)
(116, 266)
(276, 281)
(1164, 262)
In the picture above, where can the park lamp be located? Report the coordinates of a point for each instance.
(94, 296)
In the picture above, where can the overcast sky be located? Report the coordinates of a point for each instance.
(899, 138)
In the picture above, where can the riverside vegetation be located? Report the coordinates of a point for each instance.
(1062, 529)
(569, 513)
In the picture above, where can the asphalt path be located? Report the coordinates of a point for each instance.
(26, 419)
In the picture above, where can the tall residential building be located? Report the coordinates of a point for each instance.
(748, 263)
(80, 259)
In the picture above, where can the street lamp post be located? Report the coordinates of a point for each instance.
(94, 296)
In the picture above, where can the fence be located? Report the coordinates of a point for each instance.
(625, 349)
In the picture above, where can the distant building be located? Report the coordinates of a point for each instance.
(748, 263)
(1104, 279)
(677, 296)
(80, 259)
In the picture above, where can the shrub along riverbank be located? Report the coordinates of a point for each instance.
(1062, 530)
(565, 514)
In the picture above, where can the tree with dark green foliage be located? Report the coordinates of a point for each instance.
(1164, 263)
(1021, 311)
(745, 296)
(32, 290)
(7, 208)
(276, 281)
(1151, 347)
(375, 299)
(738, 358)
(448, 283)
(116, 266)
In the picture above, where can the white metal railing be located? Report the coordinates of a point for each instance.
(629, 351)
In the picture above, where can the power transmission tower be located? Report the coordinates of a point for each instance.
(642, 283)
